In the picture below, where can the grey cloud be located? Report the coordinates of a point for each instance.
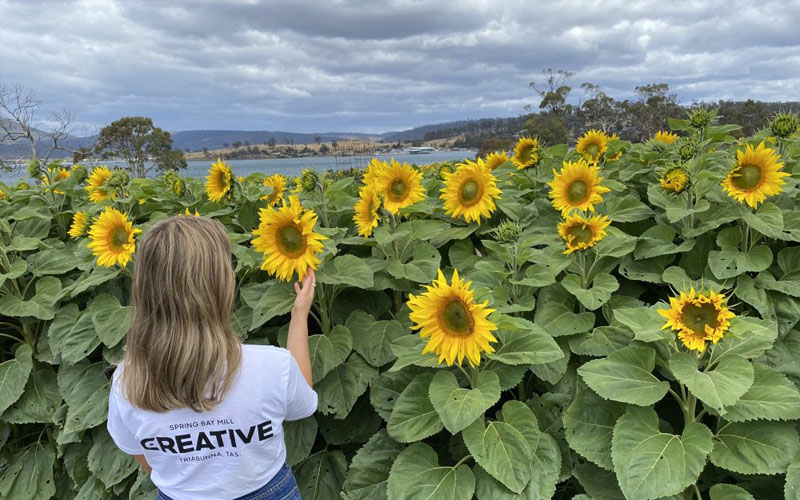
(377, 65)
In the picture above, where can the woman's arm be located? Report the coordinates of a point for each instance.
(297, 342)
(143, 462)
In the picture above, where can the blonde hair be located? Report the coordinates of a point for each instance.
(181, 350)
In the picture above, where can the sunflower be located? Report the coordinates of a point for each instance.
(577, 186)
(698, 317)
(526, 153)
(278, 183)
(665, 137)
(755, 176)
(674, 179)
(371, 171)
(580, 233)
(455, 326)
(494, 160)
(55, 175)
(592, 145)
(400, 186)
(367, 207)
(96, 185)
(187, 213)
(78, 227)
(287, 239)
(470, 191)
(112, 238)
(218, 182)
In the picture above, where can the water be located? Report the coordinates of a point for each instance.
(288, 166)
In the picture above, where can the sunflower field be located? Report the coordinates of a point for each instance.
(600, 321)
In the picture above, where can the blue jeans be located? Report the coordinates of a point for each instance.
(281, 487)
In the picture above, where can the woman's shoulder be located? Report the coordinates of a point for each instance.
(265, 351)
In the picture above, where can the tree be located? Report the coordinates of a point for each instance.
(246, 143)
(549, 129)
(237, 144)
(554, 91)
(19, 108)
(492, 145)
(225, 144)
(317, 139)
(649, 113)
(136, 140)
(324, 149)
(598, 110)
(271, 142)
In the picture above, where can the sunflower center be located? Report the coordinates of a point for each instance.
(747, 177)
(525, 154)
(593, 149)
(398, 189)
(696, 317)
(119, 237)
(577, 191)
(221, 181)
(468, 192)
(291, 240)
(580, 234)
(457, 318)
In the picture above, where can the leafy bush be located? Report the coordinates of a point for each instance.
(584, 396)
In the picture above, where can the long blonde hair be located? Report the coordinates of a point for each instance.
(181, 350)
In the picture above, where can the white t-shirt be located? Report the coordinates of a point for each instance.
(229, 451)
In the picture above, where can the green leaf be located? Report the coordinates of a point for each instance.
(625, 376)
(373, 339)
(52, 262)
(40, 306)
(718, 388)
(413, 416)
(268, 300)
(72, 334)
(536, 275)
(85, 389)
(746, 337)
(111, 320)
(598, 294)
(589, 424)
(329, 351)
(792, 488)
(756, 447)
(321, 476)
(615, 244)
(771, 397)
(523, 342)
(29, 475)
(339, 389)
(346, 270)
(601, 341)
(39, 401)
(14, 374)
(767, 220)
(408, 350)
(417, 475)
(652, 464)
(731, 263)
(368, 474)
(556, 316)
(96, 277)
(423, 266)
(657, 241)
(627, 209)
(299, 437)
(106, 461)
(730, 492)
(457, 406)
(500, 449)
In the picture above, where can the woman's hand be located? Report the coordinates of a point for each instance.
(305, 293)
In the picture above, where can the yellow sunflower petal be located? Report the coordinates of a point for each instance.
(218, 182)
(456, 328)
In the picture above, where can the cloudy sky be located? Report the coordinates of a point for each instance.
(378, 65)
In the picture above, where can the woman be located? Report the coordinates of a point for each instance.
(199, 410)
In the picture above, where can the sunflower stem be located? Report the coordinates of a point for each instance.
(466, 374)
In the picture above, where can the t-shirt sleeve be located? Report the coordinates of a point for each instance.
(301, 400)
(123, 438)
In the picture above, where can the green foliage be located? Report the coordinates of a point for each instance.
(585, 394)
